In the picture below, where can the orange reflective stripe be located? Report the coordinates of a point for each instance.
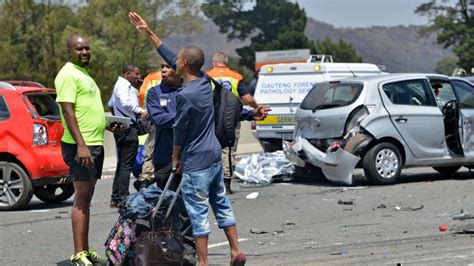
(218, 72)
(223, 74)
(152, 79)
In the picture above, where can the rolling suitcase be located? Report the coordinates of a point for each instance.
(162, 244)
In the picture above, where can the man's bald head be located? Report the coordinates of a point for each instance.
(73, 40)
(79, 50)
(194, 58)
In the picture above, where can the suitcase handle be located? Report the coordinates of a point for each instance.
(162, 197)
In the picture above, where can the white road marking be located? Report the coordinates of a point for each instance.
(39, 210)
(225, 243)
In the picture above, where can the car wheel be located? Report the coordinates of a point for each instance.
(447, 170)
(15, 187)
(382, 164)
(54, 193)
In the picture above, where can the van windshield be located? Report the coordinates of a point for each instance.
(45, 105)
(330, 95)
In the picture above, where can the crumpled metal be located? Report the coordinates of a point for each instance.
(263, 168)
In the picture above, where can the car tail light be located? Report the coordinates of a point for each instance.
(40, 134)
(253, 125)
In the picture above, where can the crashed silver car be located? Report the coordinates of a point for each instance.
(385, 123)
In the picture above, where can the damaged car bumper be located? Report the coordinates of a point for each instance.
(337, 164)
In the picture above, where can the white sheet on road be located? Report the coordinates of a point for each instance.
(260, 168)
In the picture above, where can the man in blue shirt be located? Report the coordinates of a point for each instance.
(196, 150)
(161, 107)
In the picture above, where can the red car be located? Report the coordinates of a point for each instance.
(30, 146)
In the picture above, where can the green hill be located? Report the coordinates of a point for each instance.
(399, 48)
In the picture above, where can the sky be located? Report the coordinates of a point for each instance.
(364, 13)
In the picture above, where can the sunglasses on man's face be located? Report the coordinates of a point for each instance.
(165, 66)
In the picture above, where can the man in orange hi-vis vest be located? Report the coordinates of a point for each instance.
(232, 81)
(147, 176)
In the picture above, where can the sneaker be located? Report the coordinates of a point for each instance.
(80, 259)
(94, 257)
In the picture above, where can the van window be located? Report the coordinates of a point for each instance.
(45, 105)
(329, 95)
(465, 93)
(4, 113)
(409, 92)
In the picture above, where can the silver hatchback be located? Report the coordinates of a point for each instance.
(385, 123)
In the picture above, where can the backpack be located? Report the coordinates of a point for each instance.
(227, 109)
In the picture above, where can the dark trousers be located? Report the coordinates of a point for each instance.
(127, 147)
(162, 173)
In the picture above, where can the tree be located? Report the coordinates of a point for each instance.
(455, 27)
(270, 24)
(115, 42)
(34, 35)
(341, 51)
(446, 65)
(31, 32)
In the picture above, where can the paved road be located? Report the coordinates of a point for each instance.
(297, 224)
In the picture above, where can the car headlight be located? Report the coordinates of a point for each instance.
(40, 134)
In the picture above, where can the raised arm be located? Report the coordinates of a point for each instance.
(142, 26)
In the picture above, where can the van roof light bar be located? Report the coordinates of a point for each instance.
(320, 58)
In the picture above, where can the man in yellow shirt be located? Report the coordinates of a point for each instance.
(83, 119)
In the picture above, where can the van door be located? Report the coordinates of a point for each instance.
(415, 115)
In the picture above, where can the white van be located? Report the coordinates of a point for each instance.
(283, 87)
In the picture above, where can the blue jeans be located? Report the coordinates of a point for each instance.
(204, 187)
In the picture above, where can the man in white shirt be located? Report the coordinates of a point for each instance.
(124, 102)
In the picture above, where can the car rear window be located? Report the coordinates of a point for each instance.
(331, 95)
(4, 112)
(45, 105)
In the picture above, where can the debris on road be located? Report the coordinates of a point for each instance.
(257, 231)
(252, 195)
(278, 232)
(340, 253)
(382, 206)
(463, 216)
(353, 188)
(409, 208)
(264, 168)
(357, 225)
(345, 202)
(443, 228)
(465, 229)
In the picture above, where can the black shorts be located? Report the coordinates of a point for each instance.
(82, 173)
